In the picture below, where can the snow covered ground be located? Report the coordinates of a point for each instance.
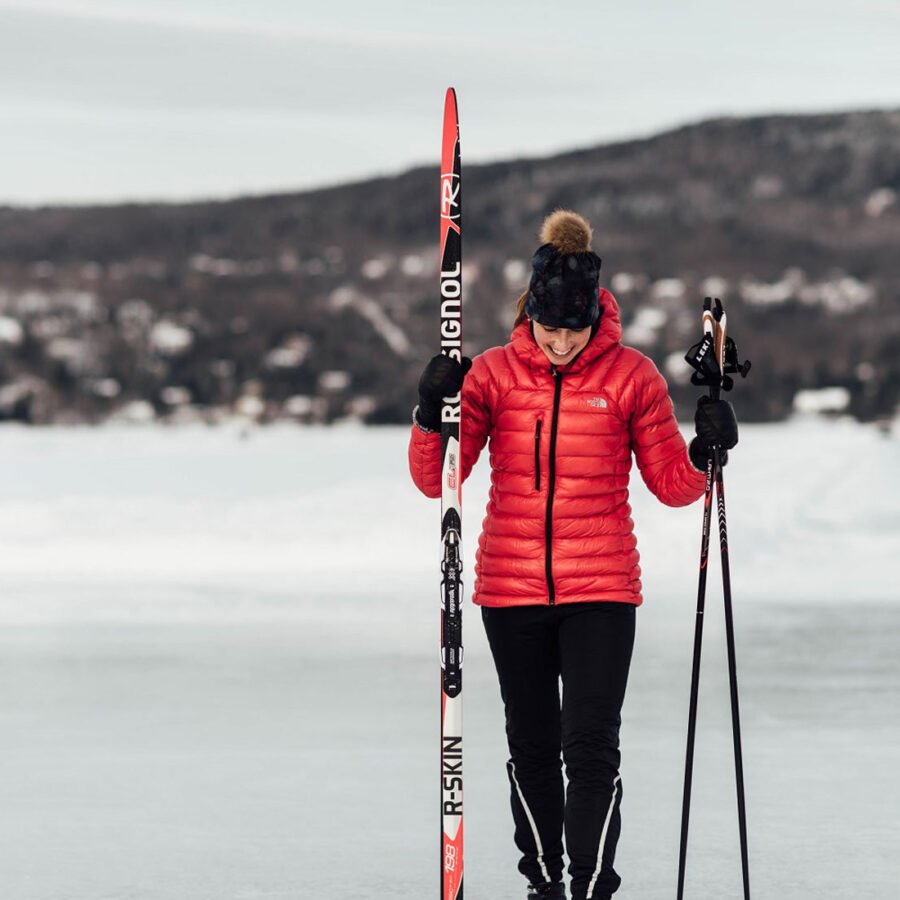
(218, 672)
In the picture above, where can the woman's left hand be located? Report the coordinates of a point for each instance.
(716, 426)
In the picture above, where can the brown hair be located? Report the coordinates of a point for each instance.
(520, 310)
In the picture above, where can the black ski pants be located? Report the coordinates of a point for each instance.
(587, 646)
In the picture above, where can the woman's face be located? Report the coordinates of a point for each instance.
(561, 345)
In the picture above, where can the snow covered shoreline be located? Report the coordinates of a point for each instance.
(281, 512)
(220, 677)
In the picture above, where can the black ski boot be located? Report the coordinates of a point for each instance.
(555, 891)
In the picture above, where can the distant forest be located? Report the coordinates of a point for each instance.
(322, 305)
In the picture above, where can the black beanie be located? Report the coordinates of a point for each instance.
(565, 278)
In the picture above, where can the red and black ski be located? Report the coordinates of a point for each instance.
(451, 519)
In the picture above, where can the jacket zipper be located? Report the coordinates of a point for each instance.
(551, 475)
(537, 455)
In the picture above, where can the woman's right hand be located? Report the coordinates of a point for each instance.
(442, 377)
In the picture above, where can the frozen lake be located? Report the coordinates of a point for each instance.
(219, 672)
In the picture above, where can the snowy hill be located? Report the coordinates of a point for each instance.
(319, 306)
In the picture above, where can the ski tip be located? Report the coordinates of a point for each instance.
(450, 112)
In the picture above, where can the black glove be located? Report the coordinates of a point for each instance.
(716, 427)
(442, 377)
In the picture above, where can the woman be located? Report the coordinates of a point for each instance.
(564, 406)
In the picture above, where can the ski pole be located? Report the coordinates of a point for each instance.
(713, 358)
(729, 635)
(707, 351)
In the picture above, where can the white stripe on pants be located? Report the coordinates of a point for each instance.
(609, 812)
(531, 822)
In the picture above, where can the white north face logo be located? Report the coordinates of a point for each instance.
(598, 402)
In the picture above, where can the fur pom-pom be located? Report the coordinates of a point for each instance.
(567, 231)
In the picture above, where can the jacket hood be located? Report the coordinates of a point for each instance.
(609, 333)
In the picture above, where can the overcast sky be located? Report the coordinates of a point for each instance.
(172, 99)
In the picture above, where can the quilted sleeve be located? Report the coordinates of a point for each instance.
(658, 446)
(425, 447)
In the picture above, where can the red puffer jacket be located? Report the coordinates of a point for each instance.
(558, 527)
